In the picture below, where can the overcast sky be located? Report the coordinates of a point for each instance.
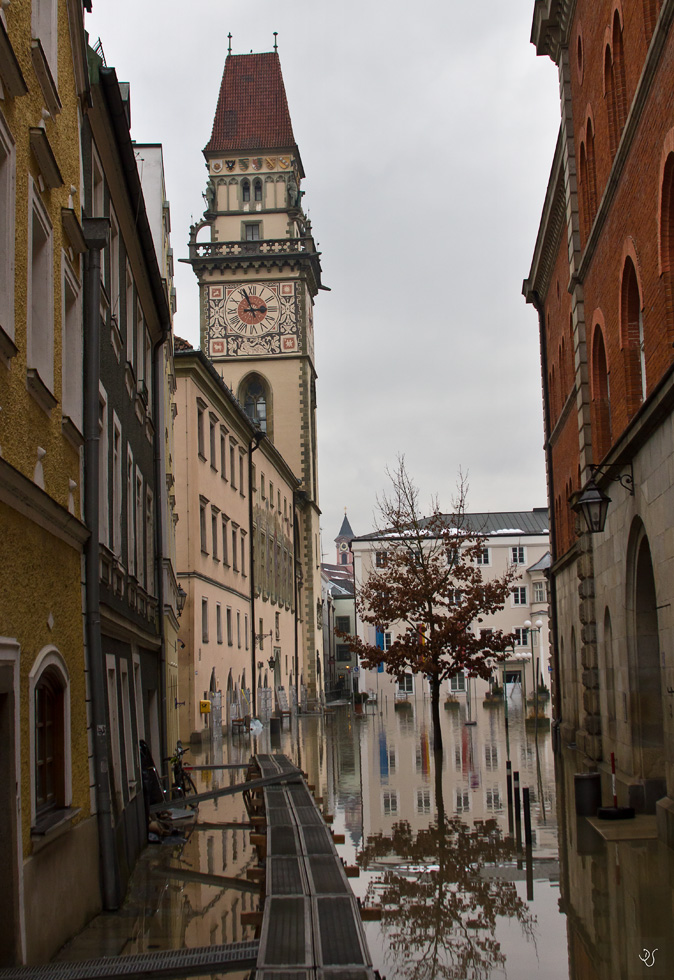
(426, 131)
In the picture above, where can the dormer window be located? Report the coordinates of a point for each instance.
(245, 191)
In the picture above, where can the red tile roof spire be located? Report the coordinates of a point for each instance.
(252, 111)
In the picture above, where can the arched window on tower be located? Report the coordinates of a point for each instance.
(255, 401)
(619, 74)
(257, 190)
(667, 238)
(245, 191)
(611, 108)
(632, 339)
(601, 398)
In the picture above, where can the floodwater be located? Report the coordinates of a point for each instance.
(460, 894)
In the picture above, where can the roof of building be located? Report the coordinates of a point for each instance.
(252, 111)
(180, 344)
(506, 523)
(542, 564)
(345, 530)
(340, 578)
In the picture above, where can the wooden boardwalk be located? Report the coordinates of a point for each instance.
(311, 925)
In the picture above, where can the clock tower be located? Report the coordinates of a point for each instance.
(259, 272)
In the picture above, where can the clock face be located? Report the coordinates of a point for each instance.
(252, 310)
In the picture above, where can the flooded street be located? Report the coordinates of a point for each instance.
(459, 895)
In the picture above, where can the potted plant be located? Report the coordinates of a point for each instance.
(494, 696)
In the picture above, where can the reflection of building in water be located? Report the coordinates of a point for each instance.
(617, 894)
(398, 775)
(519, 539)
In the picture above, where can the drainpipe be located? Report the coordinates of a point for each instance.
(253, 444)
(297, 572)
(534, 299)
(96, 232)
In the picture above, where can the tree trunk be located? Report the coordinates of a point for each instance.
(435, 715)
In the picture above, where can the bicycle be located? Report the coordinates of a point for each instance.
(183, 784)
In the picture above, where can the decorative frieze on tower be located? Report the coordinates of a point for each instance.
(259, 273)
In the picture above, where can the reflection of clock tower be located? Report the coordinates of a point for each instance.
(258, 276)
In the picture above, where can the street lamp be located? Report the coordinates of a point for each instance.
(593, 502)
(180, 601)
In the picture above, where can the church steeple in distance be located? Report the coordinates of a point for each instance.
(343, 540)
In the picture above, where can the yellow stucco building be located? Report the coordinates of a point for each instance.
(48, 836)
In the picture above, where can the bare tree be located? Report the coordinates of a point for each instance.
(427, 581)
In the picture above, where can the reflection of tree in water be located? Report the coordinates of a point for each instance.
(438, 911)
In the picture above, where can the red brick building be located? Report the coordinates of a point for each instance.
(601, 281)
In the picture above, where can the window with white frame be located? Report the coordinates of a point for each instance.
(214, 531)
(203, 503)
(130, 536)
(235, 546)
(388, 639)
(457, 682)
(140, 524)
(482, 557)
(232, 463)
(491, 756)
(204, 620)
(218, 622)
(389, 802)
(149, 540)
(242, 482)
(225, 540)
(7, 243)
(462, 801)
(49, 691)
(423, 800)
(540, 592)
(519, 595)
(71, 344)
(493, 798)
(116, 485)
(521, 636)
(40, 346)
(406, 685)
(212, 428)
(518, 555)
(230, 637)
(103, 450)
(44, 27)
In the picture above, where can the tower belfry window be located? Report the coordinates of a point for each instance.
(255, 403)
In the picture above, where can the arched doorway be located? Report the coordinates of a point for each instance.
(646, 715)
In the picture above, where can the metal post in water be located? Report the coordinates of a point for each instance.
(518, 811)
(509, 783)
(527, 816)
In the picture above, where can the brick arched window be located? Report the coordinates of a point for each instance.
(586, 222)
(632, 338)
(619, 74)
(611, 107)
(591, 174)
(667, 237)
(601, 399)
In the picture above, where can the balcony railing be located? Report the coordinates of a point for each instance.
(267, 246)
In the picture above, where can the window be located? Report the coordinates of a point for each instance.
(343, 623)
(493, 798)
(130, 536)
(232, 463)
(49, 735)
(423, 800)
(257, 189)
(7, 243)
(462, 801)
(491, 756)
(129, 316)
(103, 488)
(406, 685)
(214, 531)
(40, 350)
(238, 629)
(457, 682)
(114, 266)
(212, 423)
(518, 555)
(521, 636)
(44, 28)
(519, 594)
(223, 453)
(235, 543)
(252, 232)
(483, 556)
(218, 622)
(380, 559)
(225, 550)
(540, 592)
(140, 523)
(201, 437)
(242, 484)
(149, 540)
(245, 191)
(601, 394)
(230, 641)
(388, 640)
(243, 552)
(204, 620)
(71, 332)
(389, 802)
(454, 597)
(632, 338)
(128, 740)
(202, 525)
(255, 401)
(343, 652)
(116, 485)
(245, 629)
